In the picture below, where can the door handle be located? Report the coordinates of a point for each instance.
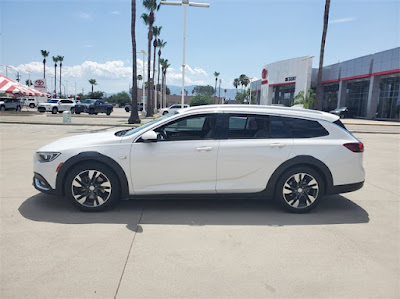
(204, 149)
(280, 145)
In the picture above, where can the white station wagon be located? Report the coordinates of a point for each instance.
(293, 155)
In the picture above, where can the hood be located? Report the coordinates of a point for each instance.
(81, 141)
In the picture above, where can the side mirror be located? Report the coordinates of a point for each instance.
(149, 136)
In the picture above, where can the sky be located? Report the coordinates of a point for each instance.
(232, 37)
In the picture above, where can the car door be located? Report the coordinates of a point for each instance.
(254, 146)
(183, 160)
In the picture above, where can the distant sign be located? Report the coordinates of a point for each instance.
(264, 73)
(40, 85)
(288, 79)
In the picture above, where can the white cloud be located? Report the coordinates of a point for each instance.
(84, 15)
(112, 76)
(342, 20)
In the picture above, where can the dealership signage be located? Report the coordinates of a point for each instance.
(40, 85)
(288, 79)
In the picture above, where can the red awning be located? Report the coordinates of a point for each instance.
(10, 86)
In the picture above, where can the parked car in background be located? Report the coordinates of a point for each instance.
(33, 102)
(129, 106)
(57, 105)
(342, 112)
(10, 104)
(173, 108)
(93, 106)
(293, 155)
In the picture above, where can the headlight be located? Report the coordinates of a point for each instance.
(46, 156)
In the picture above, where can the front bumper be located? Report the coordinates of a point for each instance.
(40, 184)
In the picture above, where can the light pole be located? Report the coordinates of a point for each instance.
(29, 80)
(143, 87)
(6, 66)
(184, 3)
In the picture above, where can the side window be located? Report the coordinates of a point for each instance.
(278, 128)
(189, 128)
(248, 127)
(303, 128)
(175, 107)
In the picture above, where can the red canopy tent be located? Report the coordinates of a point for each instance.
(10, 86)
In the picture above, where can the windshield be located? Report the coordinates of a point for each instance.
(133, 131)
(88, 101)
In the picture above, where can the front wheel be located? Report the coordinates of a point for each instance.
(108, 112)
(72, 110)
(299, 190)
(92, 187)
(54, 110)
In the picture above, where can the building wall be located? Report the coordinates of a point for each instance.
(291, 71)
(363, 71)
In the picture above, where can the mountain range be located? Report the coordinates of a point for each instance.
(230, 93)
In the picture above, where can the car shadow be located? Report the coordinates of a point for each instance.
(334, 209)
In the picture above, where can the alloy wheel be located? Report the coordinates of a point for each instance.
(300, 190)
(91, 188)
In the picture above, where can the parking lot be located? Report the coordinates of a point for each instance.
(349, 246)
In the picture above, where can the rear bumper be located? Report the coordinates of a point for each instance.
(346, 188)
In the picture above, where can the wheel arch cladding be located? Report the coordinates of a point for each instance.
(306, 161)
(91, 157)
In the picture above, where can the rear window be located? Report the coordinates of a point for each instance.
(303, 128)
(340, 124)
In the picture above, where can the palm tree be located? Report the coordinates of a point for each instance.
(134, 117)
(236, 83)
(55, 59)
(318, 97)
(242, 79)
(151, 6)
(161, 44)
(216, 74)
(44, 54)
(60, 59)
(165, 65)
(156, 34)
(93, 83)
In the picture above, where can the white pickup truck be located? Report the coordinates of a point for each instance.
(57, 105)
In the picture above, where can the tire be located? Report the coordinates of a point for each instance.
(91, 111)
(341, 115)
(72, 110)
(54, 110)
(77, 113)
(92, 187)
(3, 108)
(300, 189)
(165, 112)
(108, 112)
(18, 108)
(31, 105)
(127, 109)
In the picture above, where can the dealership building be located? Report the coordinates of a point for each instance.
(368, 86)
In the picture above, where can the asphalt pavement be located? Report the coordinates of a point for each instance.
(348, 247)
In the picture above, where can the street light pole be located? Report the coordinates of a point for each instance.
(143, 86)
(184, 3)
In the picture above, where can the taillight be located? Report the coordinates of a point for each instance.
(356, 147)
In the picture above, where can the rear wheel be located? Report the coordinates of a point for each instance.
(299, 190)
(92, 187)
(31, 105)
(18, 108)
(108, 112)
(54, 110)
(3, 108)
